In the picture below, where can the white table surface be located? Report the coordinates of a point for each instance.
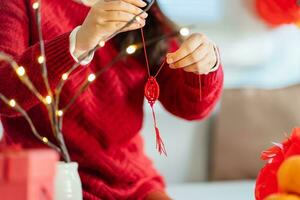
(236, 190)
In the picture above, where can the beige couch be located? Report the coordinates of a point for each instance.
(247, 122)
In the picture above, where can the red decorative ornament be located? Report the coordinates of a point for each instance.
(152, 95)
(151, 92)
(266, 183)
(279, 12)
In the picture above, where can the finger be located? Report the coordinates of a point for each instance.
(112, 26)
(186, 48)
(134, 26)
(202, 67)
(121, 16)
(195, 56)
(138, 3)
(122, 6)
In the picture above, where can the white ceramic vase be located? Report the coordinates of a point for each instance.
(67, 182)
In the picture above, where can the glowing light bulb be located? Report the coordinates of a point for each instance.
(102, 43)
(35, 5)
(45, 140)
(91, 77)
(12, 103)
(131, 49)
(48, 99)
(41, 59)
(64, 76)
(184, 31)
(60, 113)
(20, 71)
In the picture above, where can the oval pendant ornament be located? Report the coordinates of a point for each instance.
(151, 91)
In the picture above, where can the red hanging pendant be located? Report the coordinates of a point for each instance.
(151, 93)
(151, 90)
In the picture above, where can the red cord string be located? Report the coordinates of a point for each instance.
(160, 146)
(145, 51)
(160, 68)
(146, 56)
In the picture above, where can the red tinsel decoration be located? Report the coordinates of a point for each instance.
(266, 182)
(279, 12)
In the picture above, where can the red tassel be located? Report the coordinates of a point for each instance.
(160, 146)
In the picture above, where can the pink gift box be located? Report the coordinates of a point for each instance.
(27, 175)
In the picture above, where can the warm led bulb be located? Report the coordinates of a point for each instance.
(60, 113)
(20, 71)
(48, 99)
(184, 31)
(64, 76)
(102, 43)
(91, 77)
(35, 5)
(41, 59)
(45, 140)
(131, 49)
(12, 103)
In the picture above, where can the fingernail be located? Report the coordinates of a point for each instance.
(143, 3)
(145, 15)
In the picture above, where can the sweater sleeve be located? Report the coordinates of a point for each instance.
(180, 92)
(15, 41)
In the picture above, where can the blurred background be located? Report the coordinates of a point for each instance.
(220, 156)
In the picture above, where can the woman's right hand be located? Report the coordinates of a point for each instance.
(105, 17)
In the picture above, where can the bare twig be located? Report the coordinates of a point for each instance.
(19, 109)
(51, 107)
(24, 78)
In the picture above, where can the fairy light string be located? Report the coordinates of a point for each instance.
(14, 105)
(121, 55)
(50, 101)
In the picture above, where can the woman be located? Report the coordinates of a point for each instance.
(102, 128)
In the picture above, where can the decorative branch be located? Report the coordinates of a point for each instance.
(52, 102)
(13, 104)
(21, 72)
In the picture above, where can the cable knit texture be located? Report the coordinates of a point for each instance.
(102, 128)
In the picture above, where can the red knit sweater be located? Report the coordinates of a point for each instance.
(102, 128)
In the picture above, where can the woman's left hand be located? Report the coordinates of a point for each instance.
(197, 54)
